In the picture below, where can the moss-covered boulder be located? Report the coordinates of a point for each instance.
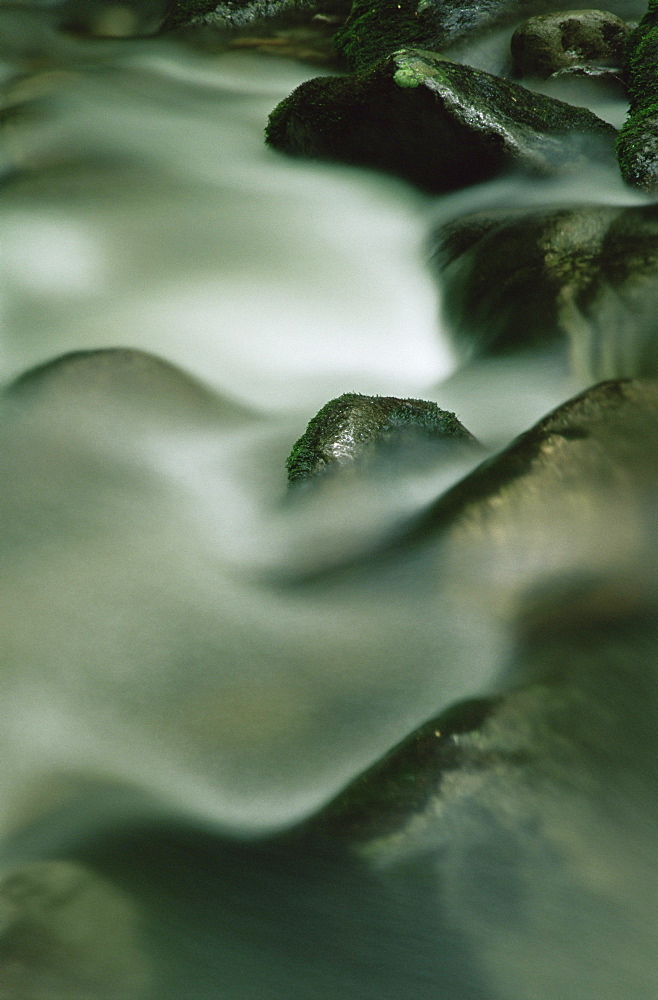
(585, 276)
(375, 28)
(637, 147)
(359, 428)
(436, 123)
(227, 13)
(548, 43)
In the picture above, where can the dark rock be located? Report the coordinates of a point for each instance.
(357, 428)
(376, 28)
(637, 146)
(585, 276)
(572, 80)
(293, 29)
(114, 388)
(550, 42)
(569, 477)
(230, 13)
(436, 123)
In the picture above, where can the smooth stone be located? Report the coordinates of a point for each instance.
(547, 43)
(356, 428)
(585, 277)
(438, 124)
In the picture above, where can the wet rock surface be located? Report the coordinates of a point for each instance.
(375, 29)
(356, 428)
(436, 123)
(637, 147)
(585, 276)
(551, 42)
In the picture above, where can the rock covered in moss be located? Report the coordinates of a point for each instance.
(376, 28)
(436, 123)
(547, 43)
(584, 275)
(355, 428)
(229, 13)
(637, 146)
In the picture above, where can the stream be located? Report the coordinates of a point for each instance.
(171, 693)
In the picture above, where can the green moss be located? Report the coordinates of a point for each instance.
(325, 103)
(637, 145)
(376, 28)
(350, 426)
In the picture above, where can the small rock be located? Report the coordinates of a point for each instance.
(357, 428)
(550, 42)
(436, 123)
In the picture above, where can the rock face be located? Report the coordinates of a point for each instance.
(637, 147)
(586, 275)
(436, 123)
(355, 428)
(551, 42)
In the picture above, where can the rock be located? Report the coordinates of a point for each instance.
(550, 42)
(241, 13)
(356, 428)
(585, 276)
(231, 13)
(637, 146)
(436, 123)
(115, 387)
(376, 28)
(111, 18)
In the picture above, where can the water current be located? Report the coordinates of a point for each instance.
(159, 654)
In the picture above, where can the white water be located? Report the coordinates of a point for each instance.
(143, 640)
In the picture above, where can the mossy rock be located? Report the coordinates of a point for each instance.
(376, 28)
(584, 276)
(548, 43)
(637, 145)
(355, 428)
(229, 13)
(438, 124)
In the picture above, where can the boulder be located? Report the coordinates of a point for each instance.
(436, 123)
(637, 147)
(547, 43)
(585, 276)
(356, 428)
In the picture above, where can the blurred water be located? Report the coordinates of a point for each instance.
(156, 640)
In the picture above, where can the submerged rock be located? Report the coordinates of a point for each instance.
(586, 276)
(547, 43)
(357, 428)
(637, 146)
(436, 123)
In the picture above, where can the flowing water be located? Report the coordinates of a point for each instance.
(154, 642)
